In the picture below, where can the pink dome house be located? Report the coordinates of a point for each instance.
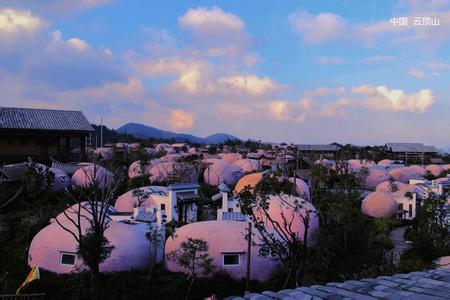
(135, 169)
(222, 172)
(230, 157)
(379, 205)
(417, 171)
(250, 180)
(375, 177)
(128, 201)
(282, 207)
(385, 162)
(446, 167)
(301, 188)
(60, 181)
(54, 249)
(248, 165)
(185, 172)
(390, 186)
(402, 174)
(435, 170)
(227, 247)
(87, 175)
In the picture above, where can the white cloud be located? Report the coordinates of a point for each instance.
(78, 44)
(15, 20)
(205, 20)
(180, 119)
(250, 84)
(438, 66)
(318, 28)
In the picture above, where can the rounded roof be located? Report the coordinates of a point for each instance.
(134, 170)
(446, 167)
(286, 207)
(128, 201)
(230, 157)
(385, 162)
(224, 237)
(186, 173)
(247, 165)
(390, 186)
(248, 180)
(375, 177)
(435, 170)
(105, 152)
(131, 247)
(379, 205)
(301, 188)
(84, 177)
(222, 171)
(402, 174)
(417, 171)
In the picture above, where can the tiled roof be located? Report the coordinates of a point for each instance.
(318, 148)
(411, 147)
(433, 284)
(43, 119)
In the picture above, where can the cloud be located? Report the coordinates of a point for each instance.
(398, 100)
(55, 8)
(16, 20)
(250, 84)
(180, 119)
(213, 20)
(329, 60)
(438, 66)
(279, 110)
(326, 27)
(317, 28)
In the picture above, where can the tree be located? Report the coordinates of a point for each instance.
(193, 256)
(277, 233)
(90, 206)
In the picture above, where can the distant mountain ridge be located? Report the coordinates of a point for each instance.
(143, 131)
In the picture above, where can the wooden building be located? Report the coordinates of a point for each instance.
(411, 152)
(41, 133)
(319, 151)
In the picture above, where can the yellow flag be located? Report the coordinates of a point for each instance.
(33, 275)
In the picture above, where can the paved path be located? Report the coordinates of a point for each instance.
(398, 241)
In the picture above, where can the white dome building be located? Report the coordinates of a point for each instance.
(61, 180)
(379, 205)
(140, 197)
(248, 165)
(222, 172)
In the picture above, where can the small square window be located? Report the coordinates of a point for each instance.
(68, 259)
(163, 206)
(231, 259)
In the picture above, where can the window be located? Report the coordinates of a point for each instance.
(231, 259)
(230, 209)
(68, 259)
(163, 206)
(410, 210)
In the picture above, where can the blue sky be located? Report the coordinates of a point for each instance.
(294, 71)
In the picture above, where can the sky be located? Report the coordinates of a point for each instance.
(348, 71)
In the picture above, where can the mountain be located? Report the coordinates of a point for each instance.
(143, 131)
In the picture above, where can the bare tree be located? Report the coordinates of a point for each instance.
(277, 233)
(90, 205)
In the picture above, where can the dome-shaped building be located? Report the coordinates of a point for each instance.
(375, 177)
(385, 162)
(140, 197)
(402, 174)
(55, 249)
(390, 186)
(292, 209)
(435, 170)
(250, 180)
(446, 167)
(227, 247)
(230, 157)
(104, 153)
(135, 169)
(222, 172)
(248, 165)
(417, 172)
(89, 174)
(379, 205)
(181, 172)
(301, 188)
